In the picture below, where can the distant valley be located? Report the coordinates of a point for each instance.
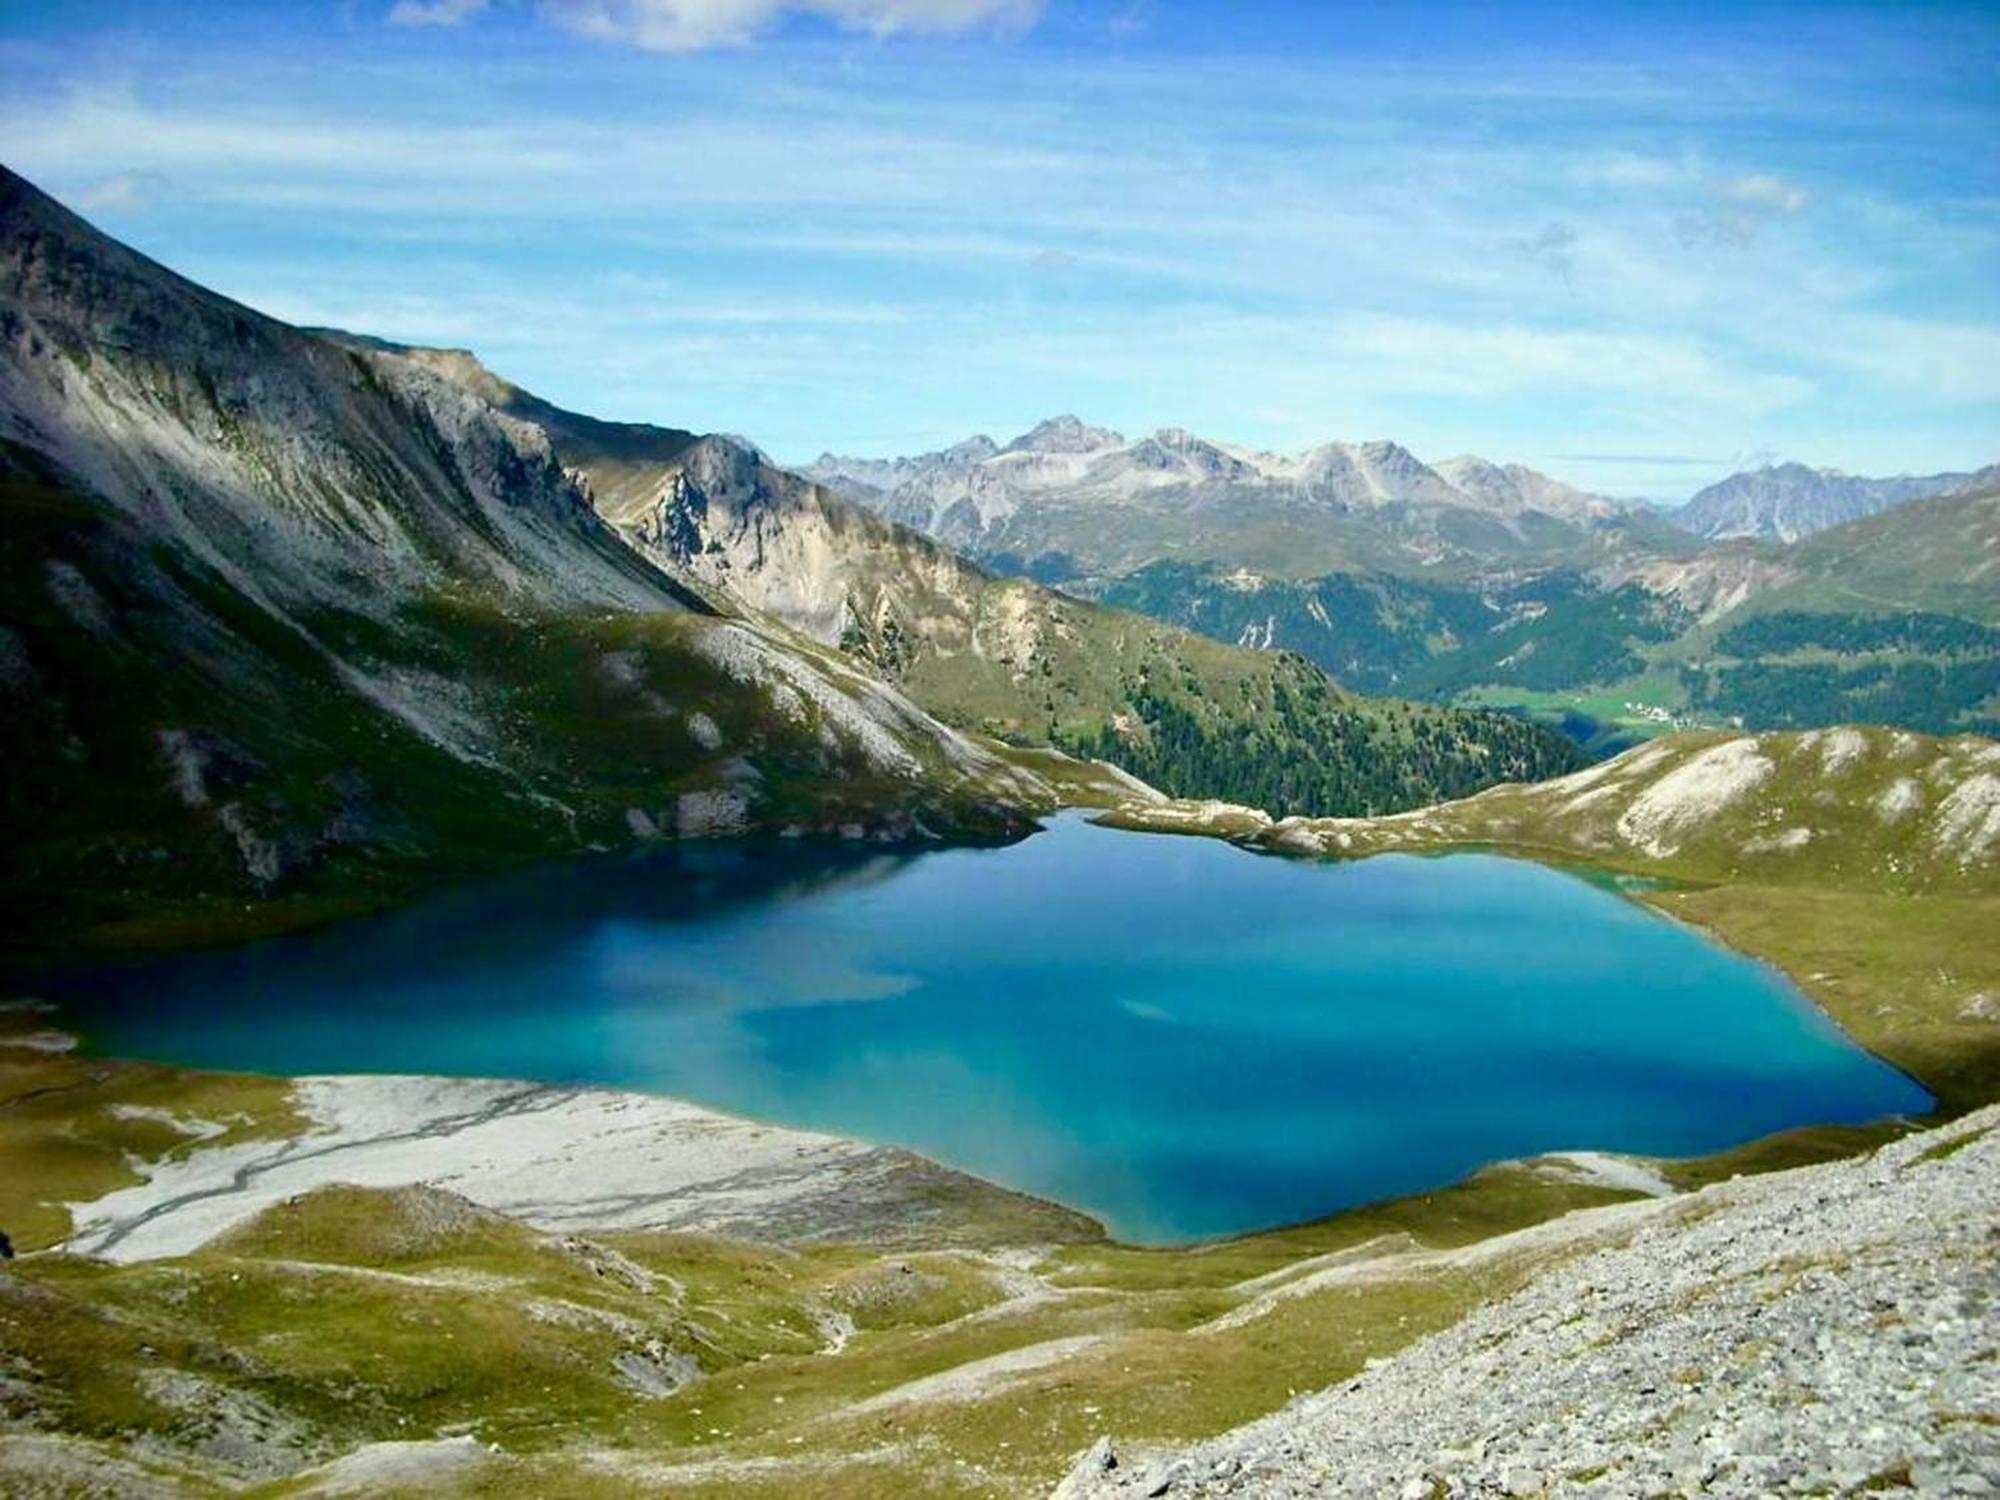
(1783, 598)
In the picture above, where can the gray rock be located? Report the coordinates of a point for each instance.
(1828, 1330)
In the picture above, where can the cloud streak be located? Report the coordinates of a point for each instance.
(121, 192)
(693, 25)
(435, 12)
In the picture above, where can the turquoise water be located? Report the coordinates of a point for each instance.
(1170, 1033)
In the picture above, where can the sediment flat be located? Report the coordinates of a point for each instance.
(563, 1159)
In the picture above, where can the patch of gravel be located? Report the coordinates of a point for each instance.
(1827, 1331)
(377, 1468)
(564, 1160)
(46, 1466)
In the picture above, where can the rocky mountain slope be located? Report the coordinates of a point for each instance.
(289, 619)
(1008, 656)
(1069, 501)
(1785, 502)
(1823, 1331)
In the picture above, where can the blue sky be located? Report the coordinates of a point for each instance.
(1635, 246)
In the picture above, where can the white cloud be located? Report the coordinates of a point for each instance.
(434, 12)
(1931, 358)
(1486, 361)
(1108, 249)
(1761, 190)
(690, 25)
(1740, 207)
(1627, 169)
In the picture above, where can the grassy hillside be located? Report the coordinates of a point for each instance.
(1197, 721)
(178, 751)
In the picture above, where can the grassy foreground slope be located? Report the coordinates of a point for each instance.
(479, 1355)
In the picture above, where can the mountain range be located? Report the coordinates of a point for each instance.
(1473, 582)
(1066, 501)
(291, 611)
(307, 618)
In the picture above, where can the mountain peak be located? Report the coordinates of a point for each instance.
(1786, 501)
(973, 449)
(1065, 434)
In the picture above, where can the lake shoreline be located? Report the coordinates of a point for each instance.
(734, 977)
(350, 1118)
(658, 1163)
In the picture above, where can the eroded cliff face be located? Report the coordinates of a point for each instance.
(725, 516)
